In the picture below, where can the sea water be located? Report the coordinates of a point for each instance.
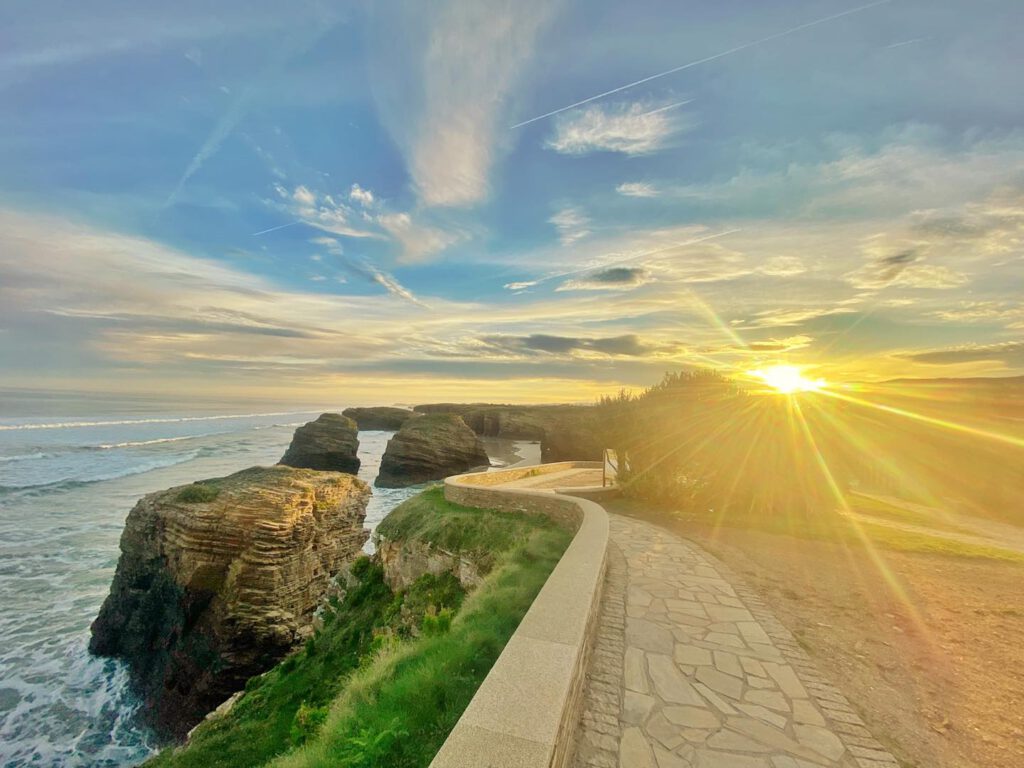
(67, 482)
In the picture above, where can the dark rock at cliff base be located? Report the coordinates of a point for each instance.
(430, 448)
(218, 580)
(383, 418)
(329, 444)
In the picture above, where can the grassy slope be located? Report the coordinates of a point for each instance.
(830, 526)
(389, 694)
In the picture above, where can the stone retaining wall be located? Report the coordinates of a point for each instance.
(525, 712)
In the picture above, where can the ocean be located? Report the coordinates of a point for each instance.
(68, 479)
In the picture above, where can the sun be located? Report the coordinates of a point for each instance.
(787, 379)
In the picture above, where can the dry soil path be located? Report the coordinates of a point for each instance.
(691, 670)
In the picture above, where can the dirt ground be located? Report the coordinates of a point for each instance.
(929, 648)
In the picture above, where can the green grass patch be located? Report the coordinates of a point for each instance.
(198, 493)
(905, 541)
(878, 508)
(389, 674)
(828, 525)
(430, 517)
(398, 710)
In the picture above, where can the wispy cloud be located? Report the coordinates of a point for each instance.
(323, 211)
(632, 129)
(628, 345)
(443, 101)
(611, 279)
(1007, 352)
(361, 267)
(418, 241)
(637, 189)
(900, 263)
(571, 224)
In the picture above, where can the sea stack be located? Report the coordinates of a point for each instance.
(430, 447)
(329, 444)
(218, 580)
(381, 418)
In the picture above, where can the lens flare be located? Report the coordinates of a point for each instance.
(787, 379)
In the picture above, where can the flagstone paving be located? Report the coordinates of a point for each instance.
(690, 670)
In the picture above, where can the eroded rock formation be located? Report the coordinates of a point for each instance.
(330, 444)
(566, 432)
(218, 580)
(382, 417)
(429, 448)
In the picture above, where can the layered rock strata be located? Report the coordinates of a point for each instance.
(218, 580)
(430, 448)
(329, 444)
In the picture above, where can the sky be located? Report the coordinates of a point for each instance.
(494, 200)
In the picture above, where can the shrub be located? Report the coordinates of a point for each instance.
(198, 493)
(306, 723)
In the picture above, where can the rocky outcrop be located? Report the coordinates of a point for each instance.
(430, 448)
(329, 444)
(218, 580)
(566, 432)
(515, 422)
(382, 418)
(406, 561)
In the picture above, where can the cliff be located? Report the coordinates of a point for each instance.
(566, 432)
(219, 580)
(329, 444)
(381, 418)
(430, 448)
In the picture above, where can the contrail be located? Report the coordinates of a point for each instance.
(274, 229)
(666, 107)
(906, 42)
(705, 60)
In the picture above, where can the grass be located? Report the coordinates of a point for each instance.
(388, 676)
(398, 710)
(198, 493)
(430, 517)
(877, 508)
(831, 526)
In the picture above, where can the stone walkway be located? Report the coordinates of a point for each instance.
(691, 670)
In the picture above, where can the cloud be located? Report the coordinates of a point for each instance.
(362, 196)
(900, 263)
(782, 266)
(364, 269)
(419, 242)
(628, 345)
(1008, 352)
(632, 129)
(446, 70)
(781, 318)
(322, 211)
(521, 285)
(787, 344)
(637, 189)
(984, 311)
(571, 224)
(613, 278)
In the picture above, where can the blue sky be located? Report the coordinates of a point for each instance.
(288, 200)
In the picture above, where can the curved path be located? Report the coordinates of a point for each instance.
(690, 670)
